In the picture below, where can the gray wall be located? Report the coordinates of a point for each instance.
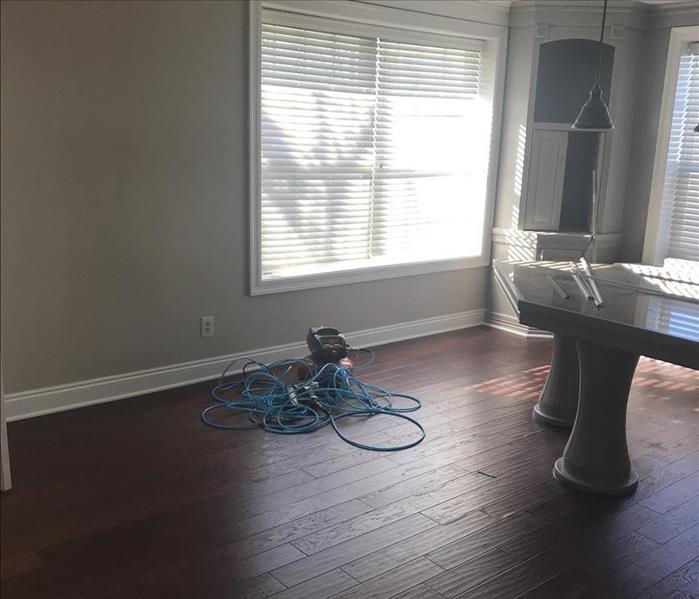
(124, 198)
(652, 60)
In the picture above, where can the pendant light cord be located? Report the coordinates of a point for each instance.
(601, 45)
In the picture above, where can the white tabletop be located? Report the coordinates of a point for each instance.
(639, 302)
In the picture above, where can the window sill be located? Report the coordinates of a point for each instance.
(363, 275)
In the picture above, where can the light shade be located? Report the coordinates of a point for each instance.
(594, 115)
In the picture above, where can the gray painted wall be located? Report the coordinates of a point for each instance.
(648, 95)
(124, 198)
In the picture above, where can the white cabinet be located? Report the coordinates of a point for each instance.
(544, 187)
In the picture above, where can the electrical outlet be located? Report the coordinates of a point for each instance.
(206, 326)
(616, 32)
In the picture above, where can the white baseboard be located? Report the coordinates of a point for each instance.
(510, 324)
(37, 402)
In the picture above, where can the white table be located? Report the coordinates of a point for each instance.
(646, 311)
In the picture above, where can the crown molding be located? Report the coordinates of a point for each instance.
(586, 13)
(574, 13)
(676, 14)
(585, 5)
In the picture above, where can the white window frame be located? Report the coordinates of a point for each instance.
(679, 38)
(371, 18)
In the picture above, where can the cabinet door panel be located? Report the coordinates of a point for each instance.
(544, 192)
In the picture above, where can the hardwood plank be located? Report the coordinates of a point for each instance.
(483, 540)
(543, 456)
(485, 445)
(631, 581)
(541, 539)
(601, 558)
(419, 592)
(471, 573)
(285, 514)
(333, 535)
(526, 499)
(460, 505)
(681, 584)
(393, 582)
(268, 560)
(674, 495)
(686, 465)
(421, 544)
(679, 449)
(353, 490)
(570, 584)
(386, 479)
(418, 484)
(343, 553)
(559, 506)
(320, 587)
(521, 578)
(674, 554)
(659, 480)
(296, 529)
(311, 456)
(674, 522)
(340, 463)
(431, 491)
(618, 524)
(314, 487)
(260, 587)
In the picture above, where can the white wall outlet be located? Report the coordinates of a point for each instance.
(206, 326)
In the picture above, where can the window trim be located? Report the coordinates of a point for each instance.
(679, 37)
(370, 17)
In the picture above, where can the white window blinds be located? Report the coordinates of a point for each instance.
(373, 152)
(679, 225)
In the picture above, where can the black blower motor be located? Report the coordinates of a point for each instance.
(328, 345)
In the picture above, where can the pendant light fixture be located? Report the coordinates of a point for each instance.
(594, 115)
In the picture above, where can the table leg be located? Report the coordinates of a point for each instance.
(558, 401)
(596, 458)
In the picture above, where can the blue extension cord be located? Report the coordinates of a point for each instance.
(276, 400)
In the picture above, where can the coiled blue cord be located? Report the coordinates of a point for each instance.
(275, 398)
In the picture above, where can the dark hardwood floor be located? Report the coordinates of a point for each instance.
(138, 498)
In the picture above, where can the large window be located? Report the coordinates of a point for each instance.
(373, 153)
(672, 230)
(679, 232)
